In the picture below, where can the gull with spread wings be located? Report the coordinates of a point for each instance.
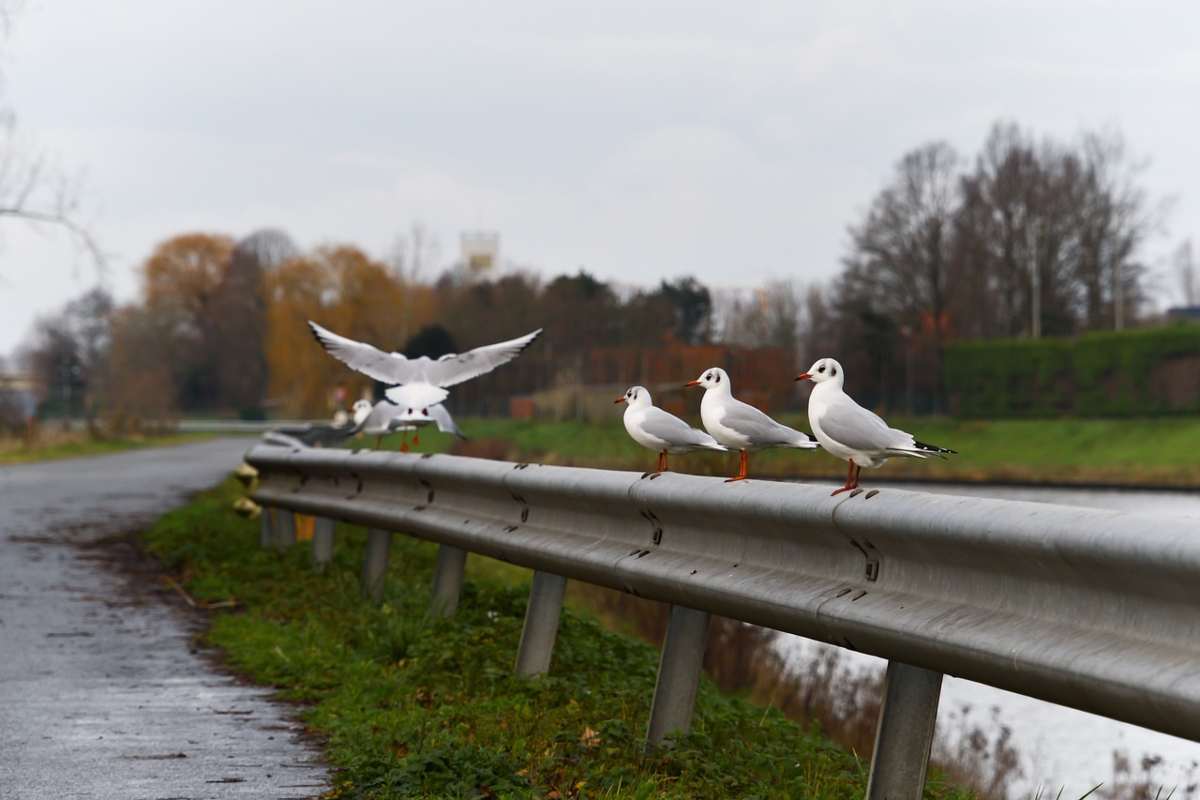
(419, 385)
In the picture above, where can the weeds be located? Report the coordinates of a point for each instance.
(412, 706)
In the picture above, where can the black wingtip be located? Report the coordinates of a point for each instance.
(314, 329)
(532, 338)
(933, 448)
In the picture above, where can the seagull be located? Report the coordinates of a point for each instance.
(419, 384)
(388, 417)
(851, 432)
(320, 434)
(659, 430)
(740, 426)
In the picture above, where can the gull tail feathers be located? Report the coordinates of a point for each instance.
(803, 441)
(923, 450)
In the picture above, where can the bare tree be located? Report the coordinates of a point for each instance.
(901, 269)
(775, 314)
(1185, 271)
(32, 189)
(411, 255)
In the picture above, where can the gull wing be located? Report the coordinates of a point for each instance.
(445, 423)
(391, 368)
(456, 368)
(674, 431)
(381, 414)
(761, 429)
(851, 425)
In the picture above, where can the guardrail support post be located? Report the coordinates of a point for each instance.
(904, 736)
(375, 563)
(266, 534)
(447, 580)
(322, 543)
(284, 525)
(541, 624)
(678, 675)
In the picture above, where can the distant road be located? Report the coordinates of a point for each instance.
(101, 692)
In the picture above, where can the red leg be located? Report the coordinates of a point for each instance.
(403, 442)
(416, 438)
(851, 480)
(743, 464)
(662, 462)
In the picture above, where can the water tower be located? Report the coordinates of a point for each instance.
(480, 253)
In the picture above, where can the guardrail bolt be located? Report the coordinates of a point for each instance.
(447, 580)
(678, 675)
(904, 735)
(375, 563)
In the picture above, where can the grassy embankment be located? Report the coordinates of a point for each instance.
(1137, 451)
(416, 707)
(47, 446)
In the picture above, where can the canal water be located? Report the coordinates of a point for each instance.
(1056, 747)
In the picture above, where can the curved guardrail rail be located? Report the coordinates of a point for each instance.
(1093, 609)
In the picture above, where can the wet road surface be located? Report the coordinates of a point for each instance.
(102, 693)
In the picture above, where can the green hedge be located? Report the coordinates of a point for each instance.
(1131, 373)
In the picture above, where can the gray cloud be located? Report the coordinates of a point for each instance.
(730, 141)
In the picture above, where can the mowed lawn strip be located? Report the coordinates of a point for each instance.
(414, 707)
(14, 450)
(1160, 451)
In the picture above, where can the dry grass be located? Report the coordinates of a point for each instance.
(48, 442)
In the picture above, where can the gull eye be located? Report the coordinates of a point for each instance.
(822, 369)
(708, 377)
(425, 411)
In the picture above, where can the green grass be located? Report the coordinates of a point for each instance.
(414, 707)
(17, 451)
(1130, 451)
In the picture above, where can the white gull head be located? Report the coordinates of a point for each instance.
(824, 370)
(635, 397)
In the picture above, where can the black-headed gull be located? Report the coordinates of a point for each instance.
(740, 426)
(658, 430)
(851, 432)
(387, 417)
(419, 384)
(317, 435)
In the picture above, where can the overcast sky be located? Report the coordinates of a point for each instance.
(638, 140)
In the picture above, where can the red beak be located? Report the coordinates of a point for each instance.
(620, 399)
(691, 383)
(804, 376)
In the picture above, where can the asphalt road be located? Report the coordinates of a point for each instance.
(102, 692)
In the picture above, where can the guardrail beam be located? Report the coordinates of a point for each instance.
(541, 624)
(1092, 609)
(447, 580)
(904, 735)
(375, 563)
(678, 675)
(322, 543)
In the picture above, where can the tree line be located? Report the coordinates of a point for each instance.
(1028, 237)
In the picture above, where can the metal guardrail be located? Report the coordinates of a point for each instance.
(1098, 610)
